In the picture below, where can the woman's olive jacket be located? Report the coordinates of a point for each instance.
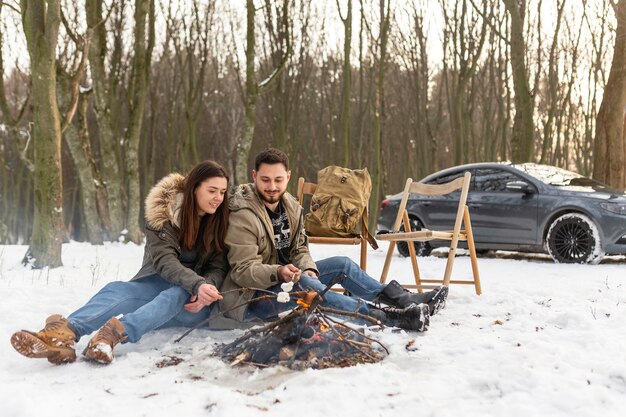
(162, 250)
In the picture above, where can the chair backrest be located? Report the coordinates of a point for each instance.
(461, 183)
(305, 188)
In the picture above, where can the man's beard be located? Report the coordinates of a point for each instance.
(274, 199)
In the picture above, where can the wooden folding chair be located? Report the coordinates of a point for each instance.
(462, 216)
(308, 188)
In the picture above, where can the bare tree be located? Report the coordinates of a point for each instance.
(9, 118)
(15, 164)
(190, 37)
(347, 81)
(253, 88)
(467, 34)
(71, 71)
(608, 150)
(384, 9)
(596, 79)
(552, 87)
(41, 20)
(409, 90)
(104, 78)
(523, 127)
(142, 56)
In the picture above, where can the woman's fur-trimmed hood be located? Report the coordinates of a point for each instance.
(164, 201)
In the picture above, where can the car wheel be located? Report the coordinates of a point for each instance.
(421, 248)
(574, 238)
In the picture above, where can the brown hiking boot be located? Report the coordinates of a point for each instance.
(54, 342)
(100, 347)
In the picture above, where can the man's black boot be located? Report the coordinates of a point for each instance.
(397, 296)
(438, 302)
(413, 317)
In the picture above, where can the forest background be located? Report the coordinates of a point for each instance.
(100, 99)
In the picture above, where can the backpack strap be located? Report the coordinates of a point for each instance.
(365, 232)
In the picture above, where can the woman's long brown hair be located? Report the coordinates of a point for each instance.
(204, 233)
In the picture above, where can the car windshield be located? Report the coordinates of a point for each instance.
(557, 176)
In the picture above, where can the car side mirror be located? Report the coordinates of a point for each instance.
(519, 186)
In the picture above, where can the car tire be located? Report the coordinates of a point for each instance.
(574, 238)
(421, 248)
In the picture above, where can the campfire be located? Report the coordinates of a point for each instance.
(303, 339)
(309, 336)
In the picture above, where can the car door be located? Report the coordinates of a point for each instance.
(500, 215)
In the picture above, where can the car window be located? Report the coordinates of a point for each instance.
(493, 180)
(446, 178)
(548, 174)
(560, 177)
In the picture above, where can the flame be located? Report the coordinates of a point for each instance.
(307, 299)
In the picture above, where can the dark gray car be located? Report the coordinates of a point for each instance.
(523, 207)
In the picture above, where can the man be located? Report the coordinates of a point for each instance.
(268, 247)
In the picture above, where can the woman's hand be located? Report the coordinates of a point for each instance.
(207, 294)
(194, 305)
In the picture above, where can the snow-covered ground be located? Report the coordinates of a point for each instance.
(543, 340)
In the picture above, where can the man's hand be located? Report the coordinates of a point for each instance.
(288, 273)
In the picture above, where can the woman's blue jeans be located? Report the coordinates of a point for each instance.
(357, 282)
(146, 304)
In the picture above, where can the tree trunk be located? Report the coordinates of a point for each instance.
(254, 89)
(8, 119)
(112, 175)
(464, 55)
(77, 139)
(243, 150)
(522, 141)
(347, 83)
(190, 39)
(144, 19)
(41, 20)
(608, 149)
(377, 174)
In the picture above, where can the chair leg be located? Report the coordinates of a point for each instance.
(383, 275)
(416, 269)
(412, 254)
(449, 265)
(472, 250)
(451, 258)
(363, 263)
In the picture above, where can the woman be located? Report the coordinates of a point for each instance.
(184, 264)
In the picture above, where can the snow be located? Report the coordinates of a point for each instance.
(544, 339)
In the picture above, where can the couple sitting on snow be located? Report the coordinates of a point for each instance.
(186, 279)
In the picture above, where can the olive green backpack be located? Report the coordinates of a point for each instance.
(338, 204)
